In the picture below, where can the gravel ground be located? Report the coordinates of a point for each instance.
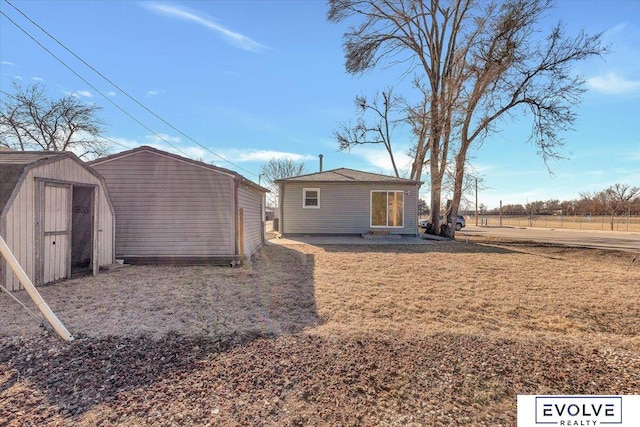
(300, 380)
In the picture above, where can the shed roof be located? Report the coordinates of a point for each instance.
(179, 158)
(13, 164)
(349, 175)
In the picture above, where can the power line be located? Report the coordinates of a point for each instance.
(92, 86)
(125, 92)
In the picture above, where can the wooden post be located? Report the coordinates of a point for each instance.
(53, 320)
(241, 232)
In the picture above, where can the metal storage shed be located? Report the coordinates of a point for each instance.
(55, 216)
(171, 209)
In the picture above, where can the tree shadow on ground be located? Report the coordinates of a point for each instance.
(314, 380)
(443, 247)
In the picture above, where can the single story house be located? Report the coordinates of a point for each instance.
(171, 209)
(347, 201)
(55, 216)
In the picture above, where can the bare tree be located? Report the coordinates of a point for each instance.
(276, 169)
(375, 130)
(29, 120)
(616, 200)
(476, 63)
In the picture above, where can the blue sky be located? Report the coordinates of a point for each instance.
(252, 80)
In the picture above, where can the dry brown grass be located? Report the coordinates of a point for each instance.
(470, 288)
(480, 289)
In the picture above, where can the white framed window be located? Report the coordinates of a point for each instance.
(387, 208)
(311, 198)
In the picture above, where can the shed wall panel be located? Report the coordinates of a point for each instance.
(20, 235)
(251, 202)
(166, 207)
(344, 208)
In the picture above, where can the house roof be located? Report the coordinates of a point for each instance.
(13, 164)
(146, 148)
(349, 175)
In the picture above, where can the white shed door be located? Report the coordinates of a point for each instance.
(57, 233)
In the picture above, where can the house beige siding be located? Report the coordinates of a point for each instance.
(167, 207)
(251, 202)
(344, 208)
(23, 211)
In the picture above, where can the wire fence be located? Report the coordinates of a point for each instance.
(588, 222)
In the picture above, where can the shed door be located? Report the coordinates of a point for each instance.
(56, 228)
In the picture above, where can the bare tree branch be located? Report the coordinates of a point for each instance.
(476, 63)
(29, 120)
(276, 169)
(374, 125)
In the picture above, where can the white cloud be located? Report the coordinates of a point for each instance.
(79, 93)
(153, 93)
(379, 159)
(10, 64)
(37, 79)
(613, 84)
(265, 156)
(120, 144)
(236, 39)
(616, 28)
(111, 93)
(162, 138)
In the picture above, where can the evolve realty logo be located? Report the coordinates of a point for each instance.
(578, 410)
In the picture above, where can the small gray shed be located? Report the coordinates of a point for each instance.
(171, 209)
(55, 216)
(347, 201)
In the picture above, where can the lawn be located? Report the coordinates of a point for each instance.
(442, 334)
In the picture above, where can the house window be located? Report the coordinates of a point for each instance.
(387, 209)
(311, 198)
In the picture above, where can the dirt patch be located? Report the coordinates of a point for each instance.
(443, 334)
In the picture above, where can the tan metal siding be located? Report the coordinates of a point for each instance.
(250, 201)
(20, 216)
(57, 229)
(105, 229)
(166, 207)
(344, 209)
(20, 235)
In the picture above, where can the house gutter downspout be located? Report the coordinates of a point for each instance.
(281, 207)
(33, 293)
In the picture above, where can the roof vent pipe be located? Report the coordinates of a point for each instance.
(321, 156)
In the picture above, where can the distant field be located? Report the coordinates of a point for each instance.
(621, 223)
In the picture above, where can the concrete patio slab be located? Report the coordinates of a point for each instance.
(347, 240)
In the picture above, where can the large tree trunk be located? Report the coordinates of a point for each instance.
(434, 225)
(457, 194)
